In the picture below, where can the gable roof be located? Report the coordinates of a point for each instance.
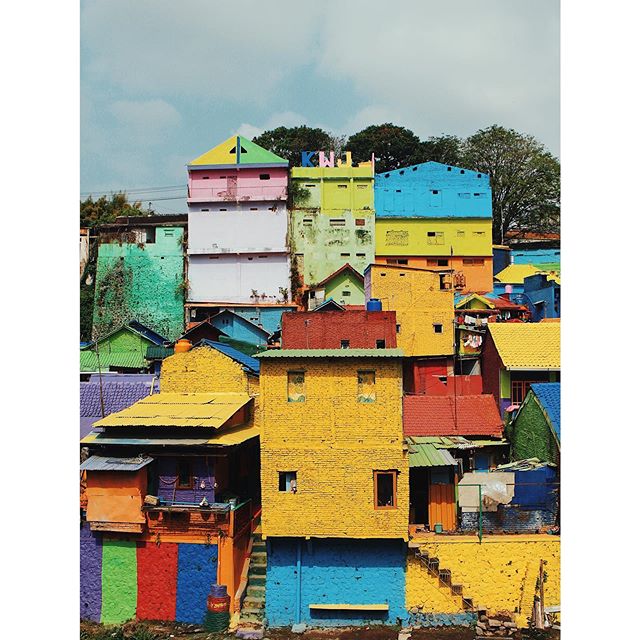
(204, 326)
(337, 272)
(516, 273)
(240, 318)
(475, 415)
(238, 151)
(132, 326)
(548, 396)
(249, 364)
(120, 359)
(527, 345)
(329, 305)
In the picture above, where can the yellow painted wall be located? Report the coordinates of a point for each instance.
(334, 443)
(204, 369)
(408, 237)
(478, 277)
(419, 303)
(500, 573)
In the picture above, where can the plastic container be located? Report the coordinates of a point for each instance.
(374, 304)
(438, 528)
(182, 346)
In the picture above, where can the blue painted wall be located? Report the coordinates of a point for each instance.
(197, 571)
(335, 572)
(501, 259)
(538, 288)
(432, 190)
(270, 318)
(535, 256)
(235, 328)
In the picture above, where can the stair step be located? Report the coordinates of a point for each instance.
(257, 579)
(256, 591)
(456, 589)
(434, 564)
(253, 603)
(259, 568)
(467, 603)
(444, 575)
(255, 616)
(259, 557)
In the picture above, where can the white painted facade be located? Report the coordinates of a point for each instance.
(226, 277)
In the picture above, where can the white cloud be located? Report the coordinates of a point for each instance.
(145, 115)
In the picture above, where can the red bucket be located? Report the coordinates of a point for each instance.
(218, 605)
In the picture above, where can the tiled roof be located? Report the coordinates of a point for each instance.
(516, 273)
(331, 353)
(126, 359)
(249, 363)
(548, 395)
(448, 416)
(116, 396)
(528, 345)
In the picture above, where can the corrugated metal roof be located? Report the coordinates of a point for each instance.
(225, 439)
(178, 410)
(101, 463)
(331, 353)
(158, 352)
(457, 442)
(528, 345)
(427, 455)
(126, 359)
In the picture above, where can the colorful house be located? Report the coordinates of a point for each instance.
(542, 296)
(535, 428)
(172, 489)
(334, 486)
(546, 259)
(433, 215)
(423, 302)
(238, 249)
(345, 286)
(123, 350)
(339, 330)
(332, 220)
(515, 355)
(511, 279)
(140, 274)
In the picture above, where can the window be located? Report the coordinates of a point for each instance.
(309, 185)
(366, 386)
(359, 222)
(381, 344)
(478, 233)
(475, 261)
(214, 257)
(265, 176)
(435, 192)
(307, 222)
(205, 177)
(361, 255)
(185, 478)
(169, 233)
(437, 262)
(435, 237)
(337, 222)
(397, 261)
(397, 328)
(384, 488)
(345, 255)
(437, 328)
(398, 238)
(362, 186)
(519, 390)
(151, 235)
(253, 208)
(204, 209)
(346, 294)
(460, 233)
(295, 386)
(344, 344)
(223, 209)
(288, 481)
(466, 196)
(342, 186)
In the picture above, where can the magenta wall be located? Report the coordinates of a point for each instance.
(231, 185)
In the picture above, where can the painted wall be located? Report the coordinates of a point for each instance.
(334, 572)
(234, 278)
(419, 303)
(141, 281)
(243, 184)
(536, 256)
(470, 273)
(345, 289)
(538, 288)
(235, 327)
(121, 580)
(334, 448)
(335, 222)
(204, 369)
(262, 230)
(501, 258)
(203, 470)
(270, 318)
(434, 190)
(326, 330)
(322, 242)
(499, 573)
(408, 237)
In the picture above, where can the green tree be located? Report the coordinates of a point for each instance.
(393, 146)
(289, 142)
(525, 180)
(444, 149)
(104, 210)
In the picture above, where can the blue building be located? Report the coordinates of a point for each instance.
(541, 296)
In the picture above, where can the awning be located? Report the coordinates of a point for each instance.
(178, 410)
(226, 439)
(426, 455)
(101, 463)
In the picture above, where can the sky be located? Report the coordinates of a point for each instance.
(164, 81)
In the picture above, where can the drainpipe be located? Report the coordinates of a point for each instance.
(299, 585)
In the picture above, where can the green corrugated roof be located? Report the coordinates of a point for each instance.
(331, 353)
(128, 359)
(427, 455)
(158, 352)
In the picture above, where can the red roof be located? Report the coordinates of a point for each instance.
(451, 416)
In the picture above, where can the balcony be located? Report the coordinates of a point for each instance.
(242, 193)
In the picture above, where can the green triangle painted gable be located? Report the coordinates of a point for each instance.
(255, 154)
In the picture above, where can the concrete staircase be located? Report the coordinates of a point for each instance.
(251, 624)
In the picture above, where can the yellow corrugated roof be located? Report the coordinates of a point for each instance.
(527, 345)
(178, 410)
(516, 273)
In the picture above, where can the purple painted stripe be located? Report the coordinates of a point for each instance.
(90, 574)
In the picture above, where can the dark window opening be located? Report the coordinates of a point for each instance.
(448, 168)
(205, 177)
(204, 209)
(185, 478)
(359, 222)
(265, 176)
(344, 344)
(437, 328)
(385, 489)
(288, 481)
(346, 294)
(443, 263)
(151, 235)
(435, 192)
(381, 344)
(397, 328)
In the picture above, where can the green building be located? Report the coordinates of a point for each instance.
(140, 275)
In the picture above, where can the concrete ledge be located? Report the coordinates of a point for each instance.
(350, 607)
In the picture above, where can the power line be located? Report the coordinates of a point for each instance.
(135, 190)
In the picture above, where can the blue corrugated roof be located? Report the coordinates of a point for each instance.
(548, 394)
(250, 364)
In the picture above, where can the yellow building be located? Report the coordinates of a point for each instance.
(462, 244)
(423, 302)
(333, 464)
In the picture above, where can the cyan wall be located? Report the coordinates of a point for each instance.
(269, 318)
(432, 190)
(236, 329)
(335, 572)
(535, 256)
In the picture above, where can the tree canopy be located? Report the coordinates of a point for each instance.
(289, 142)
(105, 210)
